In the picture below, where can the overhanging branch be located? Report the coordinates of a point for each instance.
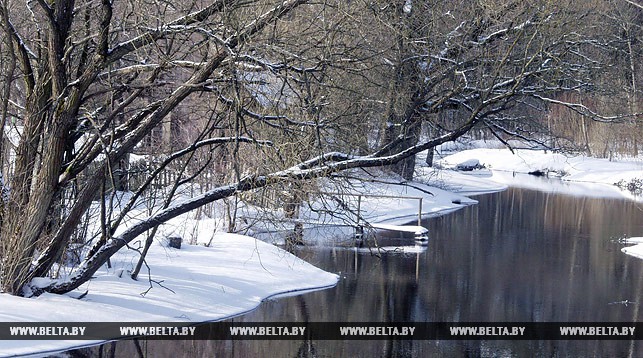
(322, 166)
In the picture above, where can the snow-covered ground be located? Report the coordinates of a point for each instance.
(637, 249)
(223, 275)
(383, 203)
(590, 176)
(219, 276)
(193, 284)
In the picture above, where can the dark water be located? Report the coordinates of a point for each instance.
(518, 255)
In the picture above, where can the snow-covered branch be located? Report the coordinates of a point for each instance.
(128, 70)
(631, 2)
(321, 166)
(150, 36)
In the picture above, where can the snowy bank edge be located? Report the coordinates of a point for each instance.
(636, 250)
(18, 348)
(432, 210)
(594, 176)
(88, 344)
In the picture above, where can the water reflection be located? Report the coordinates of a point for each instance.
(557, 185)
(519, 255)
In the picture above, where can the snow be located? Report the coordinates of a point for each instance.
(636, 250)
(570, 168)
(418, 230)
(464, 183)
(634, 240)
(217, 275)
(408, 6)
(592, 176)
(381, 206)
(220, 275)
(229, 278)
(387, 202)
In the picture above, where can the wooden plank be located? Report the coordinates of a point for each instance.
(417, 230)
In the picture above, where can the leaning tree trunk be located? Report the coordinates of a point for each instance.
(406, 136)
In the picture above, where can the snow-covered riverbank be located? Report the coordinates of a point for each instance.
(590, 176)
(193, 284)
(235, 273)
(572, 175)
(220, 276)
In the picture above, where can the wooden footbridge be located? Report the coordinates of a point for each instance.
(421, 233)
(360, 223)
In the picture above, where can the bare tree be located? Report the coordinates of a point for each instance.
(78, 53)
(288, 91)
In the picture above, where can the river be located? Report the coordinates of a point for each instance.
(519, 255)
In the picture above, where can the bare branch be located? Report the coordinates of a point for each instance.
(585, 111)
(631, 2)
